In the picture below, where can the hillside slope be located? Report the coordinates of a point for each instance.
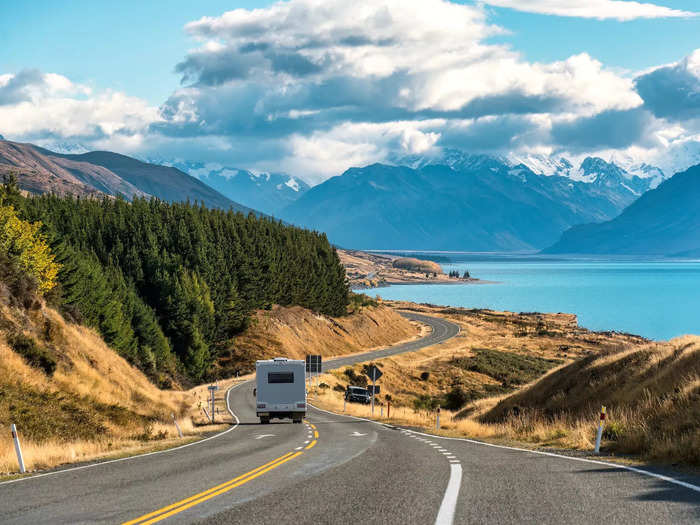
(39, 170)
(652, 394)
(70, 395)
(40, 173)
(664, 221)
(481, 206)
(295, 332)
(166, 183)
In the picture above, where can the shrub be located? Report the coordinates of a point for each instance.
(355, 379)
(37, 356)
(339, 388)
(508, 367)
(456, 398)
(425, 402)
(424, 376)
(323, 385)
(613, 431)
(359, 301)
(26, 246)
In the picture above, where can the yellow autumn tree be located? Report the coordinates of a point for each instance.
(24, 245)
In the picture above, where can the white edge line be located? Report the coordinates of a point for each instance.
(138, 456)
(636, 470)
(448, 506)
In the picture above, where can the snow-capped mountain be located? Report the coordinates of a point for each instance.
(592, 170)
(65, 148)
(267, 192)
(679, 156)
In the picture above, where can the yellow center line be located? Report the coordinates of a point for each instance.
(179, 506)
(214, 490)
(312, 426)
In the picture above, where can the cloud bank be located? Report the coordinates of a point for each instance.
(313, 87)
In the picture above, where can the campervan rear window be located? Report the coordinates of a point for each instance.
(280, 377)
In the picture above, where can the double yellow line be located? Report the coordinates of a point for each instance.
(179, 506)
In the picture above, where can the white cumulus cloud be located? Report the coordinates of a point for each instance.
(601, 9)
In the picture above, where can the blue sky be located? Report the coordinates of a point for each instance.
(133, 45)
(257, 91)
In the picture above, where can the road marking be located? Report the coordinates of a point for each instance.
(260, 436)
(312, 426)
(636, 470)
(316, 434)
(305, 442)
(179, 506)
(357, 434)
(138, 456)
(311, 445)
(298, 448)
(446, 513)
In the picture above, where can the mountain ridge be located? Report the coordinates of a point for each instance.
(664, 221)
(96, 173)
(479, 205)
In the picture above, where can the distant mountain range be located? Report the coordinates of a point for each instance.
(267, 192)
(101, 172)
(663, 222)
(466, 202)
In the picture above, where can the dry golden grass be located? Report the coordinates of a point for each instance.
(94, 405)
(652, 390)
(294, 332)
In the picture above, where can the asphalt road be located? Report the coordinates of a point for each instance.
(340, 469)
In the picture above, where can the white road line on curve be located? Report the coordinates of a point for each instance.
(446, 513)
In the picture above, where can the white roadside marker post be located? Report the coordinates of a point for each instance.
(179, 432)
(437, 420)
(345, 402)
(18, 449)
(599, 434)
(381, 411)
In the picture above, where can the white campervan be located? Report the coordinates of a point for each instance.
(281, 389)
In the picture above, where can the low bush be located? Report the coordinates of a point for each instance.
(424, 376)
(36, 355)
(507, 367)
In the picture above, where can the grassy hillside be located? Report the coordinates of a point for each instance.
(295, 332)
(652, 394)
(539, 380)
(71, 396)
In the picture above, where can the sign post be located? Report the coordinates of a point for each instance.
(374, 373)
(599, 433)
(212, 389)
(314, 365)
(18, 449)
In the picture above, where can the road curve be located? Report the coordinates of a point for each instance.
(245, 463)
(343, 469)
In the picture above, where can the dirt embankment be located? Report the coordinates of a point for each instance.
(295, 332)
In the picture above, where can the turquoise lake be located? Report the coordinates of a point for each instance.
(655, 299)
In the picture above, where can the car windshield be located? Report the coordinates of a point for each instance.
(357, 390)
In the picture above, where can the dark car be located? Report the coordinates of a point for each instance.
(357, 394)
